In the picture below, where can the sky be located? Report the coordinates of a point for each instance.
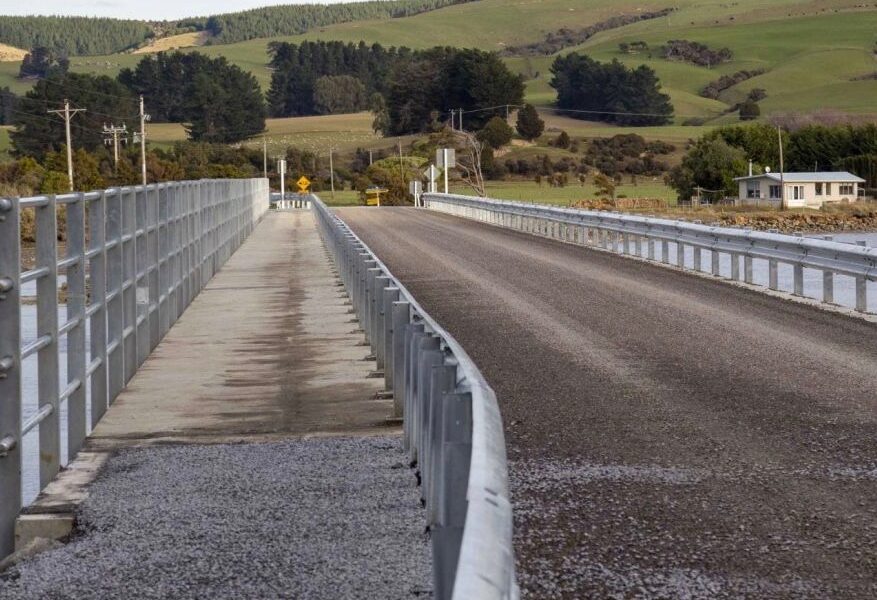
(150, 10)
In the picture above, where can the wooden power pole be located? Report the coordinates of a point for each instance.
(67, 113)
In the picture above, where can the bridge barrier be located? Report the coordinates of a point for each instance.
(135, 258)
(451, 422)
(637, 235)
(289, 200)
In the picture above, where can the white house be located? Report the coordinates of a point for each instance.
(802, 189)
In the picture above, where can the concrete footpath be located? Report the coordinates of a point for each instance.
(251, 456)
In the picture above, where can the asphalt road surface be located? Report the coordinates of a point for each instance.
(669, 436)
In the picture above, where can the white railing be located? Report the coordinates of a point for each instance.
(134, 258)
(651, 238)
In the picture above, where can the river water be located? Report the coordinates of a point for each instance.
(844, 295)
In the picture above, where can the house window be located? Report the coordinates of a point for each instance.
(828, 189)
(753, 189)
(775, 193)
(818, 188)
(846, 189)
(798, 192)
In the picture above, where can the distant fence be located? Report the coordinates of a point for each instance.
(651, 238)
(452, 425)
(135, 258)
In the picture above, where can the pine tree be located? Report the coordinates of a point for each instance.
(529, 125)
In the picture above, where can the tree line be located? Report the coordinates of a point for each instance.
(217, 102)
(609, 92)
(84, 36)
(409, 91)
(297, 68)
(718, 157)
(295, 19)
(73, 36)
(96, 169)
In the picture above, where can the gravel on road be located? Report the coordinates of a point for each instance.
(316, 518)
(669, 436)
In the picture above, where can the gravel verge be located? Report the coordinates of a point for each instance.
(320, 518)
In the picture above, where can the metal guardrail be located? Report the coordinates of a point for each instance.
(452, 425)
(637, 235)
(290, 200)
(135, 258)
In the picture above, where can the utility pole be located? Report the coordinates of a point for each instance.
(68, 114)
(370, 158)
(461, 118)
(331, 174)
(264, 157)
(143, 119)
(453, 117)
(401, 167)
(782, 176)
(112, 133)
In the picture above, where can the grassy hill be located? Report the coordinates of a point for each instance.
(811, 50)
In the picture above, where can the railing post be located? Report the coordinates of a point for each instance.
(391, 295)
(381, 320)
(413, 332)
(47, 324)
(152, 261)
(129, 279)
(10, 371)
(97, 266)
(447, 536)
(443, 379)
(861, 294)
(798, 280)
(115, 307)
(141, 274)
(401, 318)
(77, 428)
(772, 274)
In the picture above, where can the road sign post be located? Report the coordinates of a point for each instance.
(446, 158)
(431, 174)
(416, 189)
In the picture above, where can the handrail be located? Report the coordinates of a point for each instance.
(625, 234)
(451, 421)
(135, 258)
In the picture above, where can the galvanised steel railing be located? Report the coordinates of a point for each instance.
(637, 235)
(451, 422)
(135, 258)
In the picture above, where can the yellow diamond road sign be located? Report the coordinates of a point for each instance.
(303, 184)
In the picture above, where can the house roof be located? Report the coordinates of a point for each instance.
(823, 176)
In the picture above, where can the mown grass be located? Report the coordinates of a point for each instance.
(343, 133)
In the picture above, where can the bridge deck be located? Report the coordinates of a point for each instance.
(669, 436)
(268, 355)
(267, 348)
